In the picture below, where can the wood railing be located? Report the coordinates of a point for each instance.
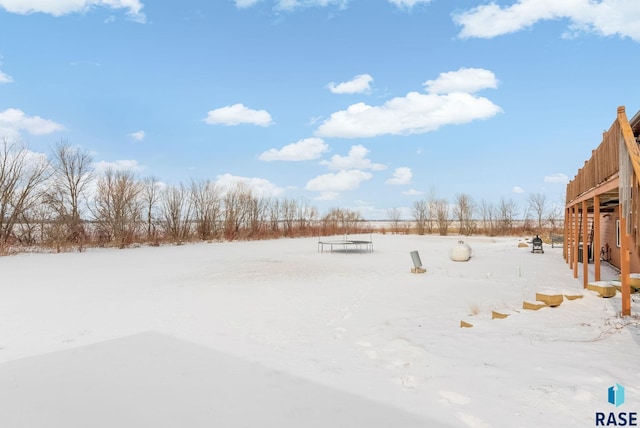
(604, 164)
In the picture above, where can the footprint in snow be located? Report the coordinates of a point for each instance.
(454, 397)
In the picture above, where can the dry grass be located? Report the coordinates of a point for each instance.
(474, 309)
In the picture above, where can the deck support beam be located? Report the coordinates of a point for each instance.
(585, 245)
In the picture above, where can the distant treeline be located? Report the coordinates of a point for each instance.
(61, 202)
(464, 216)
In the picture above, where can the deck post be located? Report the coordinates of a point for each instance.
(567, 235)
(596, 236)
(625, 267)
(585, 245)
(576, 239)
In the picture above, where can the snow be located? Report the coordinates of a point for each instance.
(274, 333)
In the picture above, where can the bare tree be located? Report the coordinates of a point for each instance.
(463, 212)
(331, 221)
(273, 208)
(341, 220)
(537, 203)
(118, 206)
(555, 215)
(176, 212)
(442, 216)
(488, 213)
(247, 212)
(207, 208)
(36, 224)
(288, 210)
(237, 210)
(432, 202)
(150, 194)
(395, 217)
(22, 172)
(420, 215)
(255, 208)
(351, 221)
(306, 216)
(527, 221)
(72, 173)
(507, 212)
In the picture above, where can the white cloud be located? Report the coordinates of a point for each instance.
(289, 5)
(467, 80)
(605, 17)
(138, 135)
(358, 85)
(5, 78)
(327, 196)
(414, 114)
(242, 4)
(260, 186)
(63, 7)
(14, 121)
(413, 192)
(408, 3)
(556, 178)
(238, 114)
(307, 149)
(339, 182)
(119, 165)
(401, 176)
(9, 134)
(517, 189)
(314, 120)
(356, 159)
(417, 113)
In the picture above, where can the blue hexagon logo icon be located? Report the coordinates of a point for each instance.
(616, 395)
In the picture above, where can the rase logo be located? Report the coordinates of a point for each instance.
(615, 396)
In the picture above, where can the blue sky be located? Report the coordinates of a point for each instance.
(362, 104)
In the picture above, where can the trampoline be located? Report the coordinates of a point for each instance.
(345, 245)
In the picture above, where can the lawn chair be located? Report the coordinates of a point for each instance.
(537, 245)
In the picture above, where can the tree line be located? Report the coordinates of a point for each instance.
(62, 202)
(437, 215)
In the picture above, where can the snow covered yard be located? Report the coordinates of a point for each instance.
(197, 331)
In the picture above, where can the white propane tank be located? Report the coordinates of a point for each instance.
(460, 253)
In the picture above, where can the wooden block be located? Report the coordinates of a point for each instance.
(464, 324)
(533, 306)
(550, 299)
(603, 288)
(570, 296)
(418, 270)
(634, 283)
(498, 315)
